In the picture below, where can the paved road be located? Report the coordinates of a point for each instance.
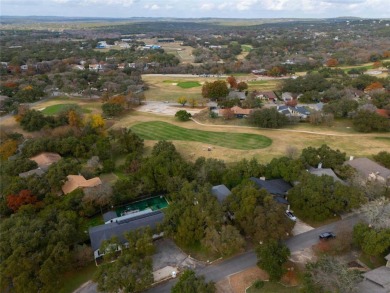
(248, 259)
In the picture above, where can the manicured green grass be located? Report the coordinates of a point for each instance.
(272, 287)
(55, 109)
(188, 84)
(258, 82)
(246, 48)
(74, 279)
(157, 130)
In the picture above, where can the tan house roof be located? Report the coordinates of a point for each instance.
(76, 181)
(240, 111)
(46, 159)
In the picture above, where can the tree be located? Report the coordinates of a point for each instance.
(215, 90)
(319, 198)
(183, 115)
(132, 271)
(209, 170)
(225, 242)
(328, 157)
(112, 109)
(190, 283)
(56, 175)
(376, 213)
(332, 62)
(33, 120)
(383, 158)
(14, 202)
(182, 100)
(193, 102)
(95, 121)
(8, 148)
(374, 86)
(100, 195)
(372, 241)
(128, 141)
(329, 268)
(194, 210)
(231, 80)
(242, 85)
(367, 121)
(267, 118)
(272, 255)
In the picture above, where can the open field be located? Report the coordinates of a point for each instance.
(170, 88)
(157, 130)
(337, 137)
(164, 88)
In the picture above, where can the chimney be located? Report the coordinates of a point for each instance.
(350, 158)
(320, 166)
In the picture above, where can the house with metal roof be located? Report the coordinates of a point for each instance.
(221, 192)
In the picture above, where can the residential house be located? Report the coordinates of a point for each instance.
(144, 213)
(98, 234)
(268, 96)
(377, 280)
(238, 112)
(43, 160)
(370, 170)
(221, 192)
(325, 171)
(77, 181)
(236, 95)
(95, 67)
(277, 187)
(259, 72)
(297, 111)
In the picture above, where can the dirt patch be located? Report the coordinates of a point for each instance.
(223, 286)
(240, 281)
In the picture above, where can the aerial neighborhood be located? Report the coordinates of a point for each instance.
(194, 155)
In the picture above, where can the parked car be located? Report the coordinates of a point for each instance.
(290, 215)
(327, 235)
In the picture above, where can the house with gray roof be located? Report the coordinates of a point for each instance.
(370, 170)
(325, 171)
(297, 111)
(221, 192)
(377, 280)
(278, 187)
(100, 233)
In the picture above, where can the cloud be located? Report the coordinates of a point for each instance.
(206, 6)
(242, 5)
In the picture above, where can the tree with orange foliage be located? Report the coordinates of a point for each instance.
(386, 54)
(8, 148)
(374, 86)
(231, 80)
(74, 118)
(119, 100)
(14, 202)
(332, 62)
(376, 64)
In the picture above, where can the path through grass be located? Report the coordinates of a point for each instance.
(157, 130)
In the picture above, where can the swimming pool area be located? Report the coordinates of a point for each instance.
(146, 205)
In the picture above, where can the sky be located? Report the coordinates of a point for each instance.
(198, 8)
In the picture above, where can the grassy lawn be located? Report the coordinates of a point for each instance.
(74, 279)
(55, 109)
(156, 130)
(188, 84)
(272, 287)
(246, 48)
(372, 262)
(196, 251)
